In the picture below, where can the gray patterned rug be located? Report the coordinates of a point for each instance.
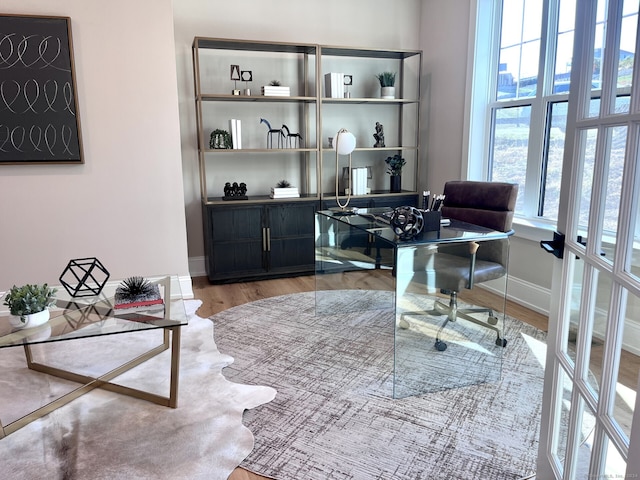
(334, 417)
(104, 435)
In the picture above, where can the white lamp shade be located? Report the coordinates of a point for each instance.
(345, 142)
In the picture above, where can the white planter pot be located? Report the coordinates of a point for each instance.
(388, 92)
(33, 320)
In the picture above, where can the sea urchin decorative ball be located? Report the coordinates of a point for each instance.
(407, 222)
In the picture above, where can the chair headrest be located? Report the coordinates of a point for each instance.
(489, 204)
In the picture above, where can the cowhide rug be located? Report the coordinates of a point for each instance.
(104, 435)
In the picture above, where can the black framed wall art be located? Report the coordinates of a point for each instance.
(39, 121)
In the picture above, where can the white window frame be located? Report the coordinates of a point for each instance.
(483, 63)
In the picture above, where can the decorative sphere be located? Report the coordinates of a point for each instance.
(345, 142)
(407, 222)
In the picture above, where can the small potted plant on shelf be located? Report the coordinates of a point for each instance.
(394, 168)
(275, 89)
(29, 304)
(387, 84)
(220, 139)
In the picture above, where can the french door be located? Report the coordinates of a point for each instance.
(591, 426)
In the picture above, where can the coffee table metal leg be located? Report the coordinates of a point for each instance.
(175, 366)
(90, 383)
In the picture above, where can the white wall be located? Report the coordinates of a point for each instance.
(358, 23)
(125, 205)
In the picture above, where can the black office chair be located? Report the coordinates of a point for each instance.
(458, 266)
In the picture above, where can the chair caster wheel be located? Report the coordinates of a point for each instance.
(403, 324)
(492, 320)
(501, 342)
(441, 346)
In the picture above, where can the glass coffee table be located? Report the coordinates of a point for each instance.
(78, 318)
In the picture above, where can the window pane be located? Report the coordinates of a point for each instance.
(564, 46)
(552, 163)
(519, 49)
(510, 147)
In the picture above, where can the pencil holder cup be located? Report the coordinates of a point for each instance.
(431, 221)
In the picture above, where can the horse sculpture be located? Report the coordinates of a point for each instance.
(270, 133)
(297, 138)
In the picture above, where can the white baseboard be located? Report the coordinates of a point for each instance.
(197, 267)
(523, 293)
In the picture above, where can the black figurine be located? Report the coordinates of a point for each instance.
(379, 136)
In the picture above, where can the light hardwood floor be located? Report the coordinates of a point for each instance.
(216, 298)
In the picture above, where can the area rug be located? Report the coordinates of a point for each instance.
(334, 416)
(104, 435)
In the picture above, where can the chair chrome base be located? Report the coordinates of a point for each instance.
(453, 313)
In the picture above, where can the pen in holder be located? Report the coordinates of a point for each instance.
(431, 220)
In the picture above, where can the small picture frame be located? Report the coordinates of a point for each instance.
(235, 72)
(246, 76)
(348, 80)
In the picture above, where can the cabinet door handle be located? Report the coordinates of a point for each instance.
(264, 239)
(268, 239)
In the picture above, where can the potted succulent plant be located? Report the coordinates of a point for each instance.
(394, 168)
(29, 304)
(387, 84)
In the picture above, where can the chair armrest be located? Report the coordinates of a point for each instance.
(473, 248)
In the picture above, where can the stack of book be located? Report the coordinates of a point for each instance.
(274, 91)
(235, 127)
(289, 192)
(334, 85)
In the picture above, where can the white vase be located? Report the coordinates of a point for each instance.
(32, 320)
(388, 92)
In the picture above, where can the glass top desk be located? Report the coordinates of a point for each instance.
(361, 265)
(78, 318)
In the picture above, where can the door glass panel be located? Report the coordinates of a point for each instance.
(628, 369)
(594, 349)
(615, 466)
(587, 153)
(613, 187)
(574, 316)
(598, 50)
(627, 52)
(510, 146)
(632, 263)
(561, 428)
(584, 445)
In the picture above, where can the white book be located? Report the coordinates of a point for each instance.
(239, 132)
(334, 85)
(234, 132)
(284, 189)
(285, 195)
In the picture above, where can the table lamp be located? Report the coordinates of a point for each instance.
(344, 143)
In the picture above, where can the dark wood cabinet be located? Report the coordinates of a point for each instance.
(255, 241)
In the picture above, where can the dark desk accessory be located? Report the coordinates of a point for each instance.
(432, 220)
(235, 191)
(407, 222)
